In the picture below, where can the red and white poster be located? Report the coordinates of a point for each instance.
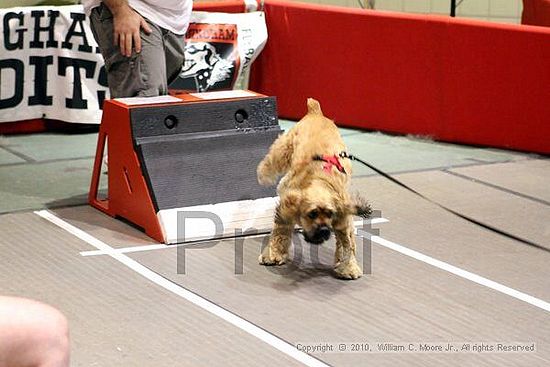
(219, 50)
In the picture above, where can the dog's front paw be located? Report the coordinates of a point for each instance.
(269, 257)
(349, 270)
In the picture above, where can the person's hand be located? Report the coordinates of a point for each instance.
(127, 24)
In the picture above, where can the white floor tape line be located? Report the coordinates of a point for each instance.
(125, 250)
(279, 344)
(537, 302)
(160, 246)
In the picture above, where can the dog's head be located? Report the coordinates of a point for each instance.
(320, 211)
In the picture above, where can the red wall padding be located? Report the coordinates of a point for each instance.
(231, 6)
(536, 12)
(452, 79)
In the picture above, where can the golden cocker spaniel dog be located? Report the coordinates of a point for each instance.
(313, 191)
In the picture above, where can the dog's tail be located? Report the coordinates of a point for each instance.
(313, 107)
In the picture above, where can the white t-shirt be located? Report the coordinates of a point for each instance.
(173, 15)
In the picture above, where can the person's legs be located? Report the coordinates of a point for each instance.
(174, 49)
(142, 74)
(32, 334)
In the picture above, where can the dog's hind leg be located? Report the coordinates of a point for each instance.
(346, 266)
(278, 159)
(276, 252)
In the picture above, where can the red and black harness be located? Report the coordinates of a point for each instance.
(333, 161)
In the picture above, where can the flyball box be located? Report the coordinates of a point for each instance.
(183, 167)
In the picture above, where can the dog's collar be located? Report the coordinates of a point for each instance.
(331, 161)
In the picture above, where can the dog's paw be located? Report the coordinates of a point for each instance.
(269, 258)
(348, 270)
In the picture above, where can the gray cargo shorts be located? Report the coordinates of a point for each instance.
(144, 74)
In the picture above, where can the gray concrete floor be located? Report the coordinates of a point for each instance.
(53, 170)
(120, 318)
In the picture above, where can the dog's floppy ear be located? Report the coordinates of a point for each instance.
(359, 206)
(289, 206)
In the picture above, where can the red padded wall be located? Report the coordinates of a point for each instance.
(452, 79)
(536, 12)
(231, 6)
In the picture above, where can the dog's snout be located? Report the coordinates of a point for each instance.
(320, 235)
(324, 232)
